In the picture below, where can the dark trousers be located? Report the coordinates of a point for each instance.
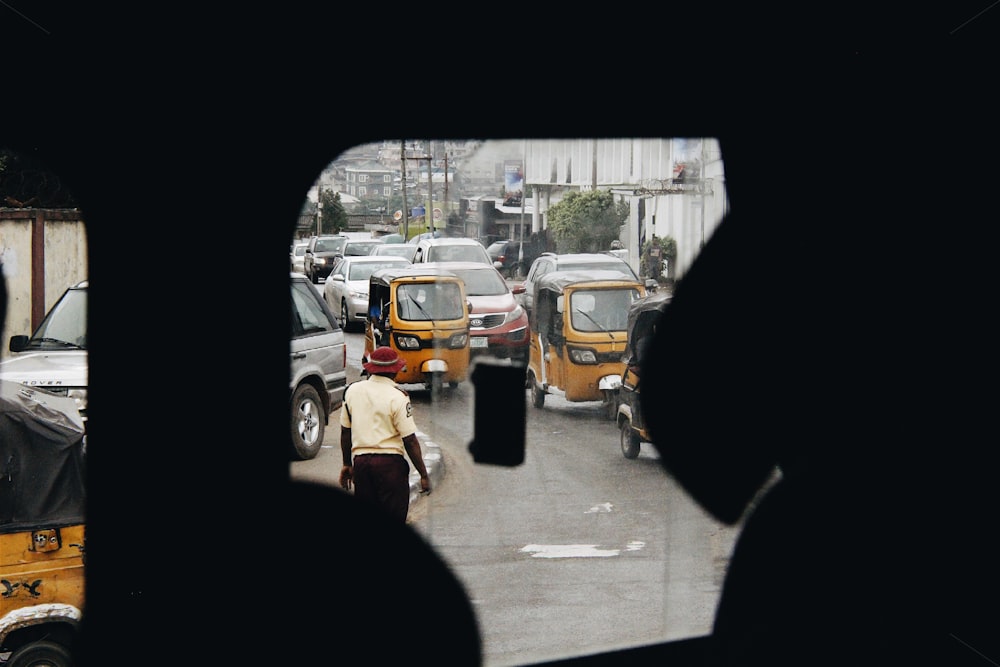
(384, 480)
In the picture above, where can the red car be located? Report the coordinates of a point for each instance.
(498, 325)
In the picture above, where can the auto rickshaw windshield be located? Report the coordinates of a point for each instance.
(601, 309)
(430, 301)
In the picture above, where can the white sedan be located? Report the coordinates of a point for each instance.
(346, 289)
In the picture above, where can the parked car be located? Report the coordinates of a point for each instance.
(550, 261)
(346, 289)
(54, 357)
(395, 250)
(320, 253)
(297, 256)
(318, 360)
(450, 249)
(508, 257)
(498, 325)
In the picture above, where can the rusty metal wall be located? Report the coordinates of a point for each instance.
(42, 251)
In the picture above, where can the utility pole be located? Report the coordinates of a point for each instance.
(429, 212)
(524, 195)
(319, 208)
(402, 183)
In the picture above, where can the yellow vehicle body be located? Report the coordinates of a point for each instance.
(42, 567)
(423, 314)
(578, 336)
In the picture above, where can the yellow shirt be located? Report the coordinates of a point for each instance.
(379, 415)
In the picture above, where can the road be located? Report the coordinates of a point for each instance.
(576, 551)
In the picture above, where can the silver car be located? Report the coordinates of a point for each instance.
(346, 288)
(318, 369)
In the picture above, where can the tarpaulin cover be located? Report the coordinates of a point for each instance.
(41, 460)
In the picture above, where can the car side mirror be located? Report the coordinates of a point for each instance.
(18, 343)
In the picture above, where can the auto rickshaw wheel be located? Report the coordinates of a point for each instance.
(610, 404)
(436, 385)
(41, 653)
(629, 440)
(537, 394)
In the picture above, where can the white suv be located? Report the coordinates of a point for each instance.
(54, 357)
(451, 249)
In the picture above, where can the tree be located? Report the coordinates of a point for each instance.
(587, 221)
(334, 216)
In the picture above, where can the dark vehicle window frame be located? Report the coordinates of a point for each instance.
(202, 501)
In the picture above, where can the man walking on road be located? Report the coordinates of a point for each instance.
(377, 429)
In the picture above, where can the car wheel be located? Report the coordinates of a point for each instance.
(41, 653)
(629, 440)
(345, 318)
(308, 423)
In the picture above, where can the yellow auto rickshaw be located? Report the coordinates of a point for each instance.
(423, 314)
(42, 525)
(643, 316)
(578, 335)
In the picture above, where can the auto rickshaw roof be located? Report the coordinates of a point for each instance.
(42, 451)
(409, 271)
(557, 281)
(657, 301)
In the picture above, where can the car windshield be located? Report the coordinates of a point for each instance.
(360, 248)
(610, 265)
(482, 283)
(397, 249)
(65, 325)
(456, 253)
(329, 245)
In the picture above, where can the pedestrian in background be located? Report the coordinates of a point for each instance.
(377, 433)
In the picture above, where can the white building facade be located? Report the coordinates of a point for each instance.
(674, 187)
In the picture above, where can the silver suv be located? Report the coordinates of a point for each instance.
(451, 249)
(318, 368)
(54, 357)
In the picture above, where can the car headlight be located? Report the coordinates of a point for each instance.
(458, 341)
(319, 261)
(359, 295)
(514, 315)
